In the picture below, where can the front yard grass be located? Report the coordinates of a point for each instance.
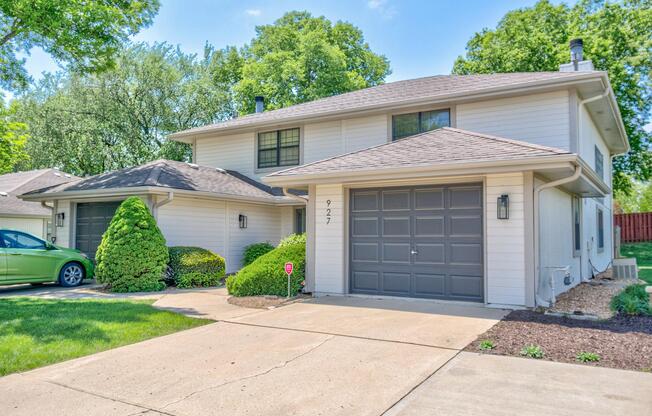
(37, 332)
(643, 254)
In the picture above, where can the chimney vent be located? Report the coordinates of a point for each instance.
(260, 103)
(576, 52)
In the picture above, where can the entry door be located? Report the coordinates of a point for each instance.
(93, 219)
(418, 241)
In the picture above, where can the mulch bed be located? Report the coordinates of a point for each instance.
(623, 342)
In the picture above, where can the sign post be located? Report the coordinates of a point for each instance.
(289, 268)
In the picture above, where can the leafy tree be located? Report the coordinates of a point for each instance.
(13, 136)
(616, 37)
(299, 58)
(88, 124)
(638, 200)
(85, 34)
(132, 256)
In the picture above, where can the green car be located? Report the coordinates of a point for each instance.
(25, 258)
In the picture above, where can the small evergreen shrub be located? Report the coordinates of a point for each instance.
(588, 357)
(532, 351)
(293, 239)
(633, 300)
(132, 256)
(253, 251)
(266, 275)
(195, 267)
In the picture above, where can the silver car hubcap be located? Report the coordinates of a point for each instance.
(72, 275)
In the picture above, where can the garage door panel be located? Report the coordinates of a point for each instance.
(396, 227)
(92, 220)
(366, 281)
(396, 283)
(365, 227)
(430, 242)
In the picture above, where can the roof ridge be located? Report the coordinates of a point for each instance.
(506, 140)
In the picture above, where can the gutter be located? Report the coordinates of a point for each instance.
(582, 104)
(287, 193)
(159, 204)
(537, 225)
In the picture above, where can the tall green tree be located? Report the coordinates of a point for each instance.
(85, 34)
(299, 58)
(617, 38)
(92, 123)
(13, 136)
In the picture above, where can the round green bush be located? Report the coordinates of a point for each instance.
(266, 275)
(132, 256)
(253, 251)
(195, 267)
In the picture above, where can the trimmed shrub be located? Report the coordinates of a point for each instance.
(132, 256)
(293, 239)
(633, 300)
(266, 275)
(195, 267)
(253, 251)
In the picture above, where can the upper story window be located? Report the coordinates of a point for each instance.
(278, 148)
(404, 125)
(599, 163)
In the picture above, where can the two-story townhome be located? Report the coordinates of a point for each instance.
(481, 188)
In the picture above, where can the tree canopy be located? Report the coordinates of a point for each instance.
(616, 38)
(85, 34)
(13, 136)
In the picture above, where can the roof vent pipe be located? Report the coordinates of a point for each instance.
(260, 103)
(576, 52)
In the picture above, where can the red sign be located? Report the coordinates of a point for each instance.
(289, 267)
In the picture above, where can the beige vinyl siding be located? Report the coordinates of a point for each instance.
(34, 226)
(537, 118)
(361, 133)
(556, 239)
(64, 234)
(322, 140)
(234, 152)
(330, 240)
(505, 248)
(287, 220)
(194, 222)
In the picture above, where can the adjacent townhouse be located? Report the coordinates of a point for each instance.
(493, 189)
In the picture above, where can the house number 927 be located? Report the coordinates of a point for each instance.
(328, 211)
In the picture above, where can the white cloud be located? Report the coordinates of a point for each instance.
(382, 7)
(253, 12)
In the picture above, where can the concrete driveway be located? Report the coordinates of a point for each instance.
(328, 356)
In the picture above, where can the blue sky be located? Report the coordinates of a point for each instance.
(420, 38)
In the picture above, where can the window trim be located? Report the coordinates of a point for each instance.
(276, 168)
(576, 203)
(599, 229)
(303, 212)
(419, 111)
(597, 152)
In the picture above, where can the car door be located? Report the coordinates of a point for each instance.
(27, 257)
(3, 261)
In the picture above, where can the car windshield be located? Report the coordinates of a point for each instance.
(11, 239)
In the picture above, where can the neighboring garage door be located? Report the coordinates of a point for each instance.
(418, 241)
(93, 219)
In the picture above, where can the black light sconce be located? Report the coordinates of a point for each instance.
(242, 219)
(503, 207)
(60, 217)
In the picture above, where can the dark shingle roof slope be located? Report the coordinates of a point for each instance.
(173, 175)
(395, 93)
(438, 147)
(14, 184)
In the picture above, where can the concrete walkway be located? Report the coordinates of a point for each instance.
(329, 356)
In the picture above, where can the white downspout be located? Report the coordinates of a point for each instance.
(302, 199)
(161, 203)
(537, 221)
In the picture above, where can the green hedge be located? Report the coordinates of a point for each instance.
(293, 239)
(266, 275)
(132, 256)
(253, 251)
(633, 300)
(195, 267)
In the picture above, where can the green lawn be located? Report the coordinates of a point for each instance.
(37, 332)
(643, 254)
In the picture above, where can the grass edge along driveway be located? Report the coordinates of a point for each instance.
(36, 332)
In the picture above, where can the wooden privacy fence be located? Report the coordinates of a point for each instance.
(634, 227)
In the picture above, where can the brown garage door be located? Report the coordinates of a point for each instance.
(93, 219)
(418, 242)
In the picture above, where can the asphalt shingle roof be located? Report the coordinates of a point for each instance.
(393, 93)
(14, 184)
(173, 175)
(437, 147)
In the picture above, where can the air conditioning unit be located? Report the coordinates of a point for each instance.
(625, 269)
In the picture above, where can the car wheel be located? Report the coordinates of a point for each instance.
(71, 275)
